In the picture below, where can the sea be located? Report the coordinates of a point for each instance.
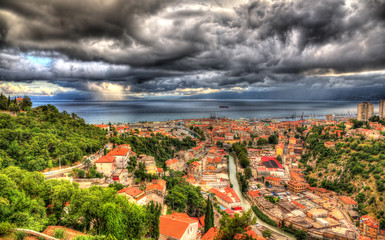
(97, 112)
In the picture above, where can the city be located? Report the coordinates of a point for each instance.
(192, 120)
(285, 172)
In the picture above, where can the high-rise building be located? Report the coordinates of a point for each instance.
(382, 109)
(364, 111)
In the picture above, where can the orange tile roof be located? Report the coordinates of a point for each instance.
(347, 200)
(106, 159)
(211, 234)
(230, 196)
(132, 191)
(250, 233)
(195, 163)
(101, 125)
(296, 177)
(298, 204)
(273, 179)
(171, 161)
(118, 152)
(255, 193)
(174, 225)
(369, 221)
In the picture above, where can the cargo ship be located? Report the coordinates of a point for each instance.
(223, 106)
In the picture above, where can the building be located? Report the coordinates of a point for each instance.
(211, 234)
(329, 117)
(122, 156)
(157, 186)
(279, 149)
(173, 164)
(133, 194)
(177, 226)
(369, 227)
(297, 187)
(103, 126)
(227, 198)
(382, 109)
(364, 111)
(317, 213)
(106, 165)
(347, 203)
(329, 144)
(273, 181)
(292, 140)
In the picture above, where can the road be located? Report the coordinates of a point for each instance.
(245, 204)
(69, 169)
(349, 222)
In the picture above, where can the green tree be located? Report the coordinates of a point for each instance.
(236, 225)
(26, 104)
(267, 233)
(300, 235)
(209, 215)
(87, 163)
(153, 214)
(117, 186)
(273, 139)
(248, 173)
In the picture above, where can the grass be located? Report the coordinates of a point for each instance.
(20, 235)
(60, 233)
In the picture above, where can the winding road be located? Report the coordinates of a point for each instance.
(245, 204)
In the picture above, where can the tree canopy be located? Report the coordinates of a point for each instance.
(36, 139)
(29, 201)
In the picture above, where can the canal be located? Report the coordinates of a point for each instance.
(245, 204)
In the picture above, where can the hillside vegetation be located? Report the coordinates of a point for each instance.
(29, 201)
(38, 138)
(159, 146)
(355, 167)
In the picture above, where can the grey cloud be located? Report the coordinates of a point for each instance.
(155, 46)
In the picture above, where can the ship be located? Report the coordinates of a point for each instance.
(223, 106)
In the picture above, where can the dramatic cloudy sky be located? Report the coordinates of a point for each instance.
(122, 49)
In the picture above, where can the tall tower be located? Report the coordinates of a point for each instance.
(382, 109)
(364, 111)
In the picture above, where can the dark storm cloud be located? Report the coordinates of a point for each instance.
(161, 46)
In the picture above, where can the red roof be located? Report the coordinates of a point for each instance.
(255, 193)
(118, 152)
(369, 221)
(298, 204)
(229, 196)
(250, 232)
(106, 159)
(267, 161)
(132, 191)
(101, 125)
(211, 234)
(274, 179)
(157, 184)
(171, 161)
(348, 200)
(195, 163)
(174, 225)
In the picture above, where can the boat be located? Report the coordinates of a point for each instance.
(223, 106)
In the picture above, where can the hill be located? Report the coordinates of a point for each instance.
(38, 138)
(354, 167)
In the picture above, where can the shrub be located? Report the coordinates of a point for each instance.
(6, 228)
(20, 235)
(60, 233)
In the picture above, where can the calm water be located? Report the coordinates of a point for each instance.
(163, 110)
